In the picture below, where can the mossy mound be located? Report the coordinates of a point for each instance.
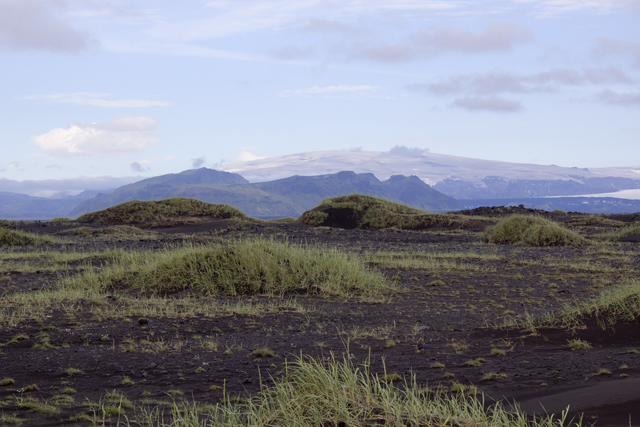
(162, 213)
(20, 238)
(368, 212)
(246, 267)
(533, 231)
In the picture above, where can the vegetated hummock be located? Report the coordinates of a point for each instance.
(368, 212)
(247, 267)
(162, 213)
(533, 231)
(263, 323)
(20, 238)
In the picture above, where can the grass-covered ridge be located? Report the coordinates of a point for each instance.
(162, 213)
(243, 267)
(368, 212)
(533, 231)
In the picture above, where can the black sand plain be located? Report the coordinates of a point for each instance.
(439, 325)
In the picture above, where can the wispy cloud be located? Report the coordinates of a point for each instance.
(331, 91)
(496, 37)
(97, 100)
(501, 82)
(34, 24)
(628, 99)
(487, 103)
(128, 135)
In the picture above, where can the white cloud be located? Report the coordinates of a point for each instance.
(33, 24)
(328, 91)
(487, 103)
(128, 135)
(97, 100)
(246, 156)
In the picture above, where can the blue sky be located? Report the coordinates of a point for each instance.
(118, 88)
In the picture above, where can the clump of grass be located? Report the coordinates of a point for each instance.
(494, 376)
(497, 352)
(7, 382)
(263, 352)
(243, 267)
(437, 365)
(74, 371)
(602, 371)
(475, 362)
(533, 231)
(578, 344)
(21, 238)
(172, 211)
(314, 393)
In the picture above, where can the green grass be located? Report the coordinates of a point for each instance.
(243, 267)
(161, 213)
(115, 230)
(21, 238)
(285, 220)
(315, 393)
(619, 303)
(532, 231)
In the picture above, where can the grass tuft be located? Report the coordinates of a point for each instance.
(532, 231)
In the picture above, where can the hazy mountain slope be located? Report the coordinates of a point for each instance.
(160, 187)
(21, 206)
(456, 176)
(286, 197)
(309, 191)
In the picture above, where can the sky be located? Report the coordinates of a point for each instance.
(96, 92)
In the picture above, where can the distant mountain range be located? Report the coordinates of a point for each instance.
(458, 177)
(289, 185)
(284, 197)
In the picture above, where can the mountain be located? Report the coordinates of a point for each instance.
(16, 206)
(284, 197)
(458, 177)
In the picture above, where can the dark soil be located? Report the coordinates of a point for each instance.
(419, 326)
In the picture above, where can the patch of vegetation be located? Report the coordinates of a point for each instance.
(285, 220)
(242, 267)
(162, 213)
(59, 219)
(533, 231)
(578, 344)
(263, 352)
(21, 238)
(7, 382)
(369, 212)
(316, 394)
(115, 230)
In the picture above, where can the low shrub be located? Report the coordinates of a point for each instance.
(533, 231)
